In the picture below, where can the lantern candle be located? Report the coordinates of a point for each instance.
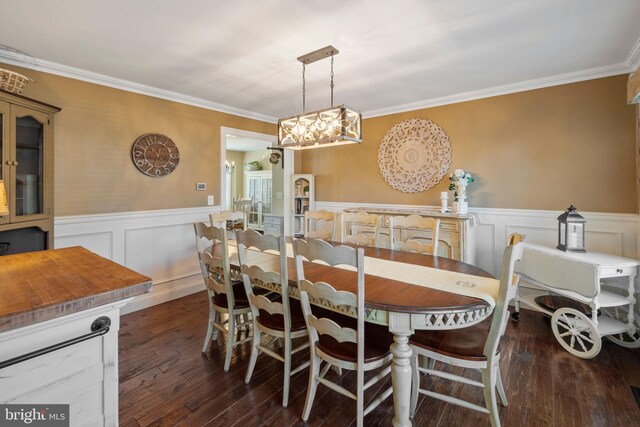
(571, 231)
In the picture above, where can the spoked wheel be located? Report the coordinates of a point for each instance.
(624, 339)
(576, 333)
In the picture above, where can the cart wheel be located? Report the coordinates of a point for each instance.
(623, 339)
(576, 333)
(515, 316)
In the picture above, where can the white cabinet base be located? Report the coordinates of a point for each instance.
(83, 375)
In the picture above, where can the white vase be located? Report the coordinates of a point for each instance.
(460, 207)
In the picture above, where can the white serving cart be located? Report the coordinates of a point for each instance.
(605, 283)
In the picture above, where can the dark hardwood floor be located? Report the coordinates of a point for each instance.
(166, 380)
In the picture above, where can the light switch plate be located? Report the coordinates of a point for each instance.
(210, 200)
(278, 195)
(201, 186)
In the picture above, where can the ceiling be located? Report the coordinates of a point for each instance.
(240, 56)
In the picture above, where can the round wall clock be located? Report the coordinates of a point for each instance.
(155, 154)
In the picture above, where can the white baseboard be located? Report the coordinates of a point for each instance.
(165, 292)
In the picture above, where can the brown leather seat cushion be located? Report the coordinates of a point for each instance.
(276, 321)
(464, 343)
(239, 294)
(377, 339)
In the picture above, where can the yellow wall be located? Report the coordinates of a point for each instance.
(261, 156)
(93, 137)
(237, 185)
(540, 149)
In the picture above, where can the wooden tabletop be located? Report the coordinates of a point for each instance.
(382, 293)
(39, 286)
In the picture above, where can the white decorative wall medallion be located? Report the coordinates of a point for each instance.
(414, 155)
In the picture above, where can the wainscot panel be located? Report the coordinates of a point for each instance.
(159, 244)
(612, 233)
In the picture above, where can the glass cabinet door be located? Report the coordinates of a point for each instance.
(266, 185)
(28, 164)
(254, 194)
(4, 154)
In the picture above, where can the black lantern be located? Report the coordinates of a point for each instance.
(571, 231)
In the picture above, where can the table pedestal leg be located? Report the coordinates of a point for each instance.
(401, 379)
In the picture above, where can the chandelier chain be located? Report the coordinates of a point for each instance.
(332, 80)
(304, 93)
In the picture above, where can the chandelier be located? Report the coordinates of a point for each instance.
(335, 125)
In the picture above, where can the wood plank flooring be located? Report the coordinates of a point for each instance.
(166, 380)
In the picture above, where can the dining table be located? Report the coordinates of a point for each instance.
(401, 306)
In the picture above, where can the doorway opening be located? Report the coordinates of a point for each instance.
(250, 180)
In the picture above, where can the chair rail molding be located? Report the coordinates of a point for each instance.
(613, 233)
(158, 243)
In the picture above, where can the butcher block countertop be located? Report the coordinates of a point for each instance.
(39, 286)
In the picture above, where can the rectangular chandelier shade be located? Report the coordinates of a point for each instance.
(328, 127)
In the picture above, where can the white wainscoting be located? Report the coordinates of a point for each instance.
(606, 232)
(159, 244)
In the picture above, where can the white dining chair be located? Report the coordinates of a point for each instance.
(243, 205)
(230, 220)
(226, 297)
(360, 228)
(340, 340)
(320, 225)
(475, 347)
(414, 233)
(278, 318)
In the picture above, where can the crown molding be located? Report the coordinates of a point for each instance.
(631, 64)
(560, 79)
(29, 62)
(633, 60)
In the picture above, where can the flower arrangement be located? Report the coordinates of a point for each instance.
(458, 181)
(256, 165)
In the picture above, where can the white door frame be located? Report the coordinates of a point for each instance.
(288, 169)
